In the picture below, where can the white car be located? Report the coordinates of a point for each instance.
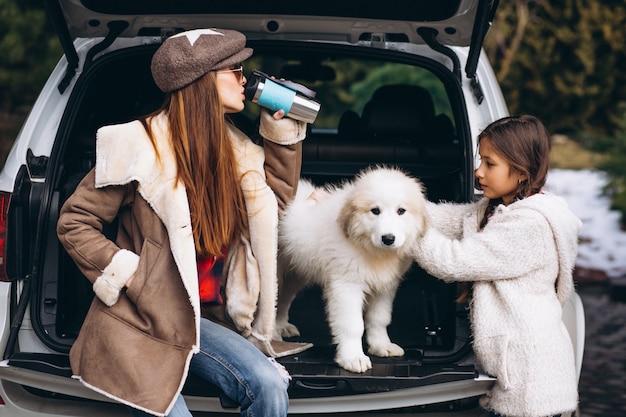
(436, 91)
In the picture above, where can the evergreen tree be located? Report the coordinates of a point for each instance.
(560, 60)
(615, 167)
(28, 51)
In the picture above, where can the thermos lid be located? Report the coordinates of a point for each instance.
(258, 76)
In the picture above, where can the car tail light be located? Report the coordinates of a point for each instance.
(5, 199)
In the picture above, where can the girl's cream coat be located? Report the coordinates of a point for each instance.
(135, 345)
(521, 265)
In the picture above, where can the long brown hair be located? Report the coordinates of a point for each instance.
(205, 163)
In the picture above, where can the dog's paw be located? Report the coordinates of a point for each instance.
(387, 350)
(287, 330)
(277, 335)
(360, 363)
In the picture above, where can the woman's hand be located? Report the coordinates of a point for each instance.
(279, 129)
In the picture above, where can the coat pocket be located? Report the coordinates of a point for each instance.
(147, 260)
(494, 355)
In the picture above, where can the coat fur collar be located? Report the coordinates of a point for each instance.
(125, 154)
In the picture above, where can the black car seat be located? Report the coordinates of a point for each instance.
(399, 111)
(350, 126)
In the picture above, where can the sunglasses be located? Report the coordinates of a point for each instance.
(237, 70)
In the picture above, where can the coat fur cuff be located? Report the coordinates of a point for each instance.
(107, 286)
(285, 131)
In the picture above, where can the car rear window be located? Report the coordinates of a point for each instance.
(345, 85)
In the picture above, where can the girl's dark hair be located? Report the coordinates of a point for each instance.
(525, 143)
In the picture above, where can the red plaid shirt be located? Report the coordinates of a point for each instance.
(210, 279)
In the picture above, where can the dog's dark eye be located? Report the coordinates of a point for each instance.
(375, 211)
(401, 211)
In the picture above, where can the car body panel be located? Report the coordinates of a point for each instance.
(453, 22)
(453, 18)
(13, 378)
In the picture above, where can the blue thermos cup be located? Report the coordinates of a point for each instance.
(296, 100)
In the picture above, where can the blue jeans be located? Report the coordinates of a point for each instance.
(242, 372)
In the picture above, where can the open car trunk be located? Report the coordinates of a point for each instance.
(339, 51)
(427, 322)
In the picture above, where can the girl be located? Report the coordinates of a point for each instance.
(185, 185)
(517, 247)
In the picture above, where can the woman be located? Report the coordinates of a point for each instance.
(185, 186)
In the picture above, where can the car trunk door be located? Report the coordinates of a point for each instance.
(439, 24)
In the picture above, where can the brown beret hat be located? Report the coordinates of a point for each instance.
(187, 56)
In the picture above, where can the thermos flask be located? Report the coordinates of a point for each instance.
(296, 100)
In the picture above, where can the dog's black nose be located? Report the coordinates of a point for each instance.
(389, 239)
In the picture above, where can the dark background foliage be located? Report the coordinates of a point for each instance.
(560, 60)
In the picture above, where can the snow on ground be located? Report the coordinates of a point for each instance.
(602, 243)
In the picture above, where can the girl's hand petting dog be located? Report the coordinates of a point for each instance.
(317, 195)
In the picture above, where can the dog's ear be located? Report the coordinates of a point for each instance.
(346, 217)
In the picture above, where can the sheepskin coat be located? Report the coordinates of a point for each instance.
(521, 266)
(136, 343)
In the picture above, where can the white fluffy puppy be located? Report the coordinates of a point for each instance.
(353, 240)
